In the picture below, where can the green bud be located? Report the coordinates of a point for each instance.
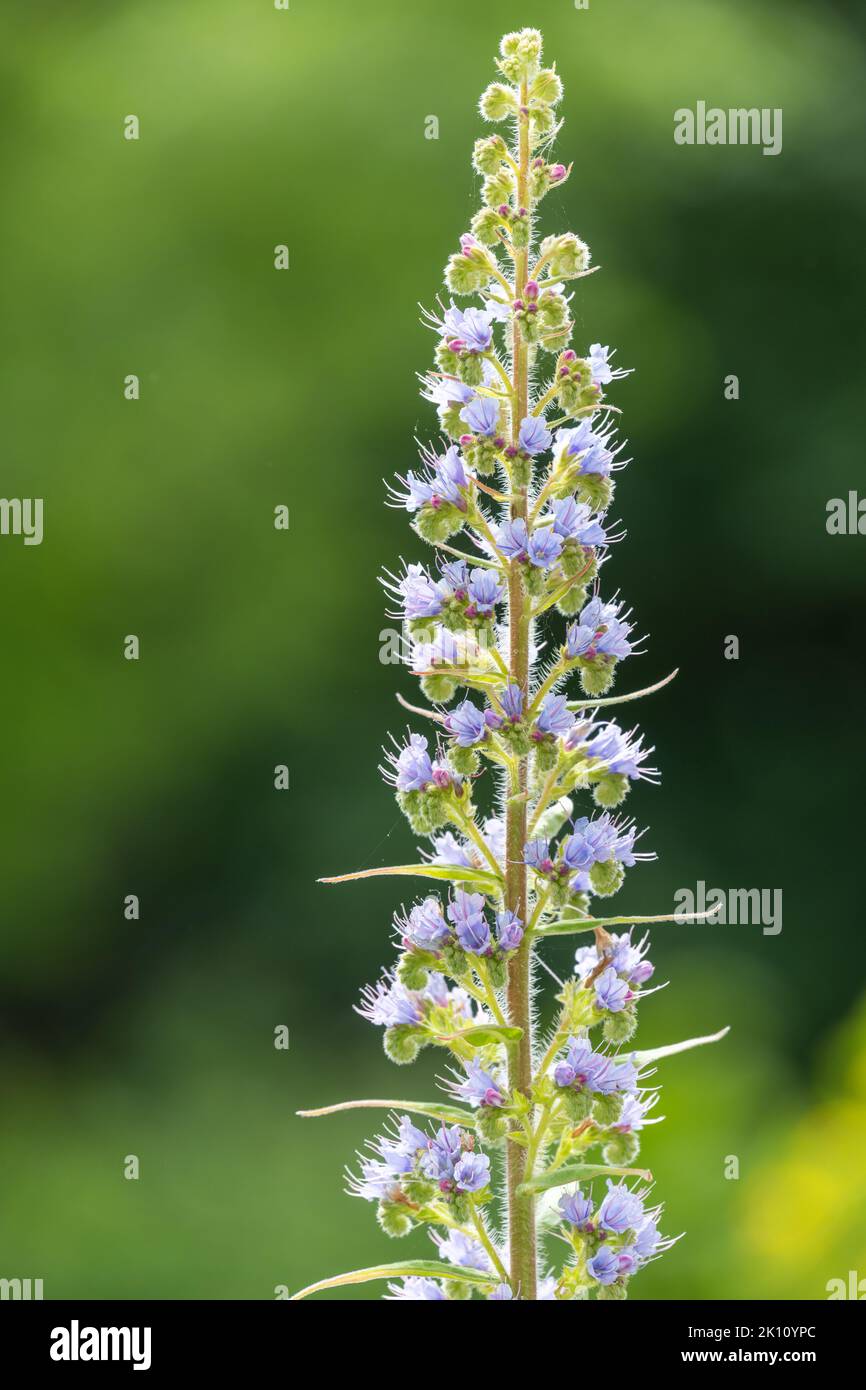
(546, 755)
(481, 456)
(596, 490)
(440, 690)
(451, 422)
(552, 309)
(465, 275)
(615, 1292)
(547, 87)
(457, 1292)
(551, 820)
(470, 368)
(490, 1124)
(520, 55)
(566, 255)
(485, 226)
(621, 1149)
(464, 760)
(596, 675)
(420, 1190)
(439, 523)
(488, 154)
(498, 188)
(412, 968)
(606, 879)
(576, 1104)
(520, 230)
(446, 360)
(521, 471)
(394, 1219)
(539, 181)
(534, 581)
(619, 1027)
(607, 1110)
(497, 102)
(611, 790)
(454, 960)
(516, 738)
(498, 971)
(572, 600)
(542, 120)
(403, 1043)
(574, 559)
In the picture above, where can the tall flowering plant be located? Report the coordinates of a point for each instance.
(538, 1128)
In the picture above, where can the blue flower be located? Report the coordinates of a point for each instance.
(602, 372)
(484, 592)
(611, 992)
(534, 436)
(545, 547)
(417, 1289)
(554, 717)
(512, 701)
(467, 724)
(604, 1265)
(621, 1210)
(577, 1209)
(509, 931)
(460, 1249)
(482, 416)
(425, 926)
(478, 1087)
(471, 329)
(472, 1173)
(573, 520)
(466, 911)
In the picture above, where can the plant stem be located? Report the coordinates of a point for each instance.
(521, 1210)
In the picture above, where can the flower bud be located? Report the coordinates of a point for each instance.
(491, 1124)
(465, 274)
(547, 87)
(520, 229)
(596, 675)
(498, 188)
(486, 225)
(576, 1104)
(606, 1110)
(611, 789)
(402, 1043)
(619, 1027)
(546, 755)
(488, 154)
(520, 55)
(440, 690)
(464, 760)
(497, 102)
(565, 255)
(621, 1149)
(413, 967)
(615, 1292)
(607, 878)
(572, 600)
(595, 490)
(394, 1219)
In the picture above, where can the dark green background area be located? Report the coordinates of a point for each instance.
(259, 647)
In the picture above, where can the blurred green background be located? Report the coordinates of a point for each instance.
(260, 647)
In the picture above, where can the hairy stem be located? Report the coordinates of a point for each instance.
(521, 1210)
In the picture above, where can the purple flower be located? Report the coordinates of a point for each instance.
(611, 992)
(612, 631)
(459, 1249)
(512, 701)
(482, 416)
(602, 372)
(587, 446)
(471, 328)
(604, 1265)
(467, 724)
(534, 436)
(554, 717)
(621, 753)
(545, 547)
(501, 1294)
(512, 539)
(576, 1209)
(412, 769)
(509, 931)
(425, 926)
(621, 1209)
(479, 1087)
(578, 640)
(466, 911)
(484, 592)
(573, 520)
(537, 856)
(421, 597)
(390, 1004)
(472, 1173)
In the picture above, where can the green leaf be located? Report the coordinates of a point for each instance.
(565, 925)
(483, 1033)
(654, 1054)
(457, 873)
(577, 1172)
(622, 699)
(424, 1269)
(449, 1114)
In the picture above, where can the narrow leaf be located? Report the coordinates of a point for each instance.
(457, 873)
(622, 699)
(450, 1114)
(565, 925)
(654, 1054)
(577, 1172)
(483, 1033)
(424, 1269)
